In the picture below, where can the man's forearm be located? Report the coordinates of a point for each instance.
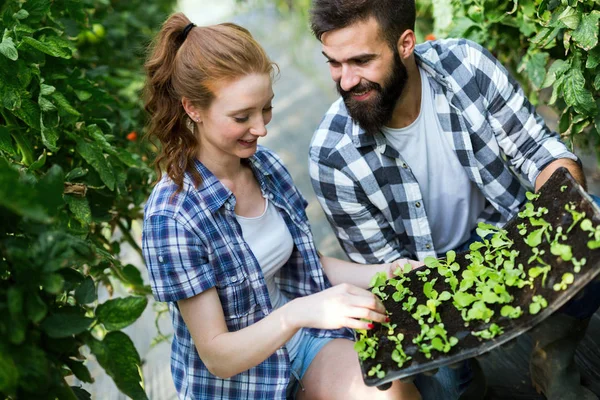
(569, 164)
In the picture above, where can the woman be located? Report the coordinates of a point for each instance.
(227, 241)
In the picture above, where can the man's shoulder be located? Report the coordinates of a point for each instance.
(334, 130)
(445, 55)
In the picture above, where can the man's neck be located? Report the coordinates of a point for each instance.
(408, 105)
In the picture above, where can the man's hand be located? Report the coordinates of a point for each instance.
(400, 263)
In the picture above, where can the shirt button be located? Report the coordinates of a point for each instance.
(418, 204)
(428, 246)
(161, 259)
(233, 279)
(270, 196)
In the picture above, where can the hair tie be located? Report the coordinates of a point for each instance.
(187, 30)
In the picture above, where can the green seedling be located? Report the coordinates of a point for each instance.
(566, 280)
(577, 264)
(577, 216)
(532, 196)
(423, 273)
(366, 346)
(409, 304)
(376, 370)
(398, 354)
(530, 211)
(378, 283)
(401, 271)
(563, 188)
(434, 299)
(559, 249)
(511, 312)
(390, 327)
(434, 338)
(537, 271)
(535, 237)
(478, 311)
(489, 333)
(522, 229)
(538, 302)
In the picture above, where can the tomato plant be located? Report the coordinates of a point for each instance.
(69, 177)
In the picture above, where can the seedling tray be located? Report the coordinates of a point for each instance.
(560, 190)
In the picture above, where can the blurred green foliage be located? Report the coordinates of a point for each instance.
(72, 171)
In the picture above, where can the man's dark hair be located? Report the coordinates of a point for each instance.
(393, 16)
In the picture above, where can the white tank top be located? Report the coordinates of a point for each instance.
(452, 202)
(272, 244)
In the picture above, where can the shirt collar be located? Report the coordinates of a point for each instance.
(214, 193)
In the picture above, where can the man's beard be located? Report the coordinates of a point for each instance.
(374, 113)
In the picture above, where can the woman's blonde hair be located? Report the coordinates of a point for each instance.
(192, 67)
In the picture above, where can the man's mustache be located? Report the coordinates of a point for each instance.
(360, 88)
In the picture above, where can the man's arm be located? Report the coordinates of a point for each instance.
(571, 165)
(530, 146)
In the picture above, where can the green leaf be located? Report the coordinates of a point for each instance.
(534, 238)
(37, 9)
(6, 143)
(66, 322)
(593, 58)
(8, 49)
(536, 68)
(121, 312)
(35, 307)
(9, 375)
(461, 27)
(21, 15)
(597, 82)
(29, 112)
(94, 156)
(586, 34)
(86, 291)
(80, 207)
(52, 46)
(119, 358)
(79, 370)
(576, 95)
(570, 18)
(19, 197)
(558, 68)
(39, 163)
(63, 104)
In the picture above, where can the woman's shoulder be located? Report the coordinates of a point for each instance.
(271, 162)
(166, 199)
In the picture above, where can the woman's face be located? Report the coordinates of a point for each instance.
(237, 117)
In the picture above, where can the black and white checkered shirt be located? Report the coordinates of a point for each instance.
(366, 188)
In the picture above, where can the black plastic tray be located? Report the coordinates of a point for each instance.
(558, 191)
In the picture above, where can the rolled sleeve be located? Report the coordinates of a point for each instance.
(176, 260)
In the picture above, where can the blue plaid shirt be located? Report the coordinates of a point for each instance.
(193, 242)
(366, 188)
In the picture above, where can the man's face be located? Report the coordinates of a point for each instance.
(369, 76)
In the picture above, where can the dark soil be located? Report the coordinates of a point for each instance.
(468, 345)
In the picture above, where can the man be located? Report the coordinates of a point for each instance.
(425, 142)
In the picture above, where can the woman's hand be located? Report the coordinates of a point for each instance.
(343, 305)
(400, 263)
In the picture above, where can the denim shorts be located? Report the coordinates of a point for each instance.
(307, 351)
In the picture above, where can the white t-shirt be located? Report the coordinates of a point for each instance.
(452, 202)
(272, 244)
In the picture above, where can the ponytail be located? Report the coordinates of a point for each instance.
(189, 66)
